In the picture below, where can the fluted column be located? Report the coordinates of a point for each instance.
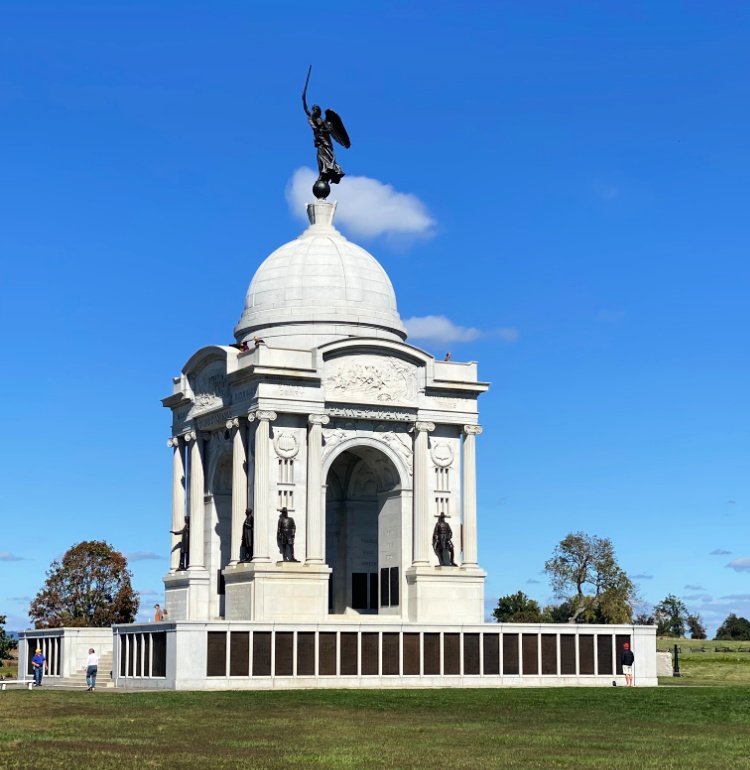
(239, 485)
(197, 504)
(314, 481)
(420, 547)
(469, 493)
(261, 503)
(178, 500)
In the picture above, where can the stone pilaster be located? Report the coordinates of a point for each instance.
(421, 546)
(314, 488)
(178, 500)
(197, 503)
(239, 485)
(262, 503)
(469, 493)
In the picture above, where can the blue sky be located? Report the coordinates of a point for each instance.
(576, 221)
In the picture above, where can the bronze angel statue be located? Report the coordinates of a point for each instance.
(329, 172)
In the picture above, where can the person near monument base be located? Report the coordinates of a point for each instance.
(158, 614)
(38, 666)
(285, 533)
(628, 660)
(92, 666)
(442, 542)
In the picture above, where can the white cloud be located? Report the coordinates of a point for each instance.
(366, 207)
(438, 328)
(643, 576)
(143, 556)
(532, 581)
(690, 587)
(737, 597)
(6, 556)
(719, 552)
(740, 565)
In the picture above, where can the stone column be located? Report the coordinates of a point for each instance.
(178, 500)
(469, 493)
(197, 504)
(315, 517)
(261, 504)
(239, 485)
(421, 529)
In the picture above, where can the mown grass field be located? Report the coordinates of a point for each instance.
(706, 662)
(669, 727)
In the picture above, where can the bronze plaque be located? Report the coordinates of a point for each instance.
(411, 654)
(146, 654)
(620, 640)
(549, 654)
(471, 654)
(604, 653)
(451, 654)
(349, 654)
(306, 653)
(284, 652)
(262, 653)
(586, 654)
(370, 653)
(123, 655)
(491, 643)
(390, 655)
(431, 654)
(510, 655)
(216, 653)
(239, 653)
(159, 663)
(385, 600)
(138, 646)
(394, 586)
(530, 654)
(567, 654)
(327, 654)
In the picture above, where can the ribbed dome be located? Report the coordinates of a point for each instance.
(318, 288)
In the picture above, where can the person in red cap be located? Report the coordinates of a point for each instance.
(628, 660)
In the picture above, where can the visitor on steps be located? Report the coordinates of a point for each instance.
(92, 666)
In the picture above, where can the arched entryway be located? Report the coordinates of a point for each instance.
(363, 532)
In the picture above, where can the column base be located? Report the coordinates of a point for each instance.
(281, 591)
(445, 594)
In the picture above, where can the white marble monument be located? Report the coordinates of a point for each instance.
(323, 408)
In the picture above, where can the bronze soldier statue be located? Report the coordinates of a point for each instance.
(285, 535)
(329, 172)
(246, 548)
(184, 544)
(442, 542)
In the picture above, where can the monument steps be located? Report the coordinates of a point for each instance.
(77, 681)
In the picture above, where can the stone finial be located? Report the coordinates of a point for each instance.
(321, 214)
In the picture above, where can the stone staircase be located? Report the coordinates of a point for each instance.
(78, 680)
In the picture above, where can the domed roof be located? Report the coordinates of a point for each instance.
(318, 288)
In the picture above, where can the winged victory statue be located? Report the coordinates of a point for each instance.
(329, 172)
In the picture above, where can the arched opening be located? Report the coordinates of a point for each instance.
(219, 541)
(363, 533)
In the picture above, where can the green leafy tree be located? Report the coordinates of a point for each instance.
(90, 586)
(7, 643)
(695, 627)
(518, 608)
(671, 616)
(734, 628)
(583, 570)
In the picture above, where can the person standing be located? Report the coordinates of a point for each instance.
(158, 614)
(38, 666)
(92, 666)
(628, 660)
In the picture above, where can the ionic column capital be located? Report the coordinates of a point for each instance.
(233, 423)
(173, 442)
(424, 427)
(261, 414)
(473, 430)
(191, 435)
(318, 419)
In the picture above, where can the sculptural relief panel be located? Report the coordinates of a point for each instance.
(210, 388)
(371, 379)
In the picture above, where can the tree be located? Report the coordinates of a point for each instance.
(518, 608)
(7, 644)
(696, 627)
(91, 586)
(671, 615)
(734, 628)
(583, 570)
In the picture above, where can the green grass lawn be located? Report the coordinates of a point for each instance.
(675, 727)
(705, 662)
